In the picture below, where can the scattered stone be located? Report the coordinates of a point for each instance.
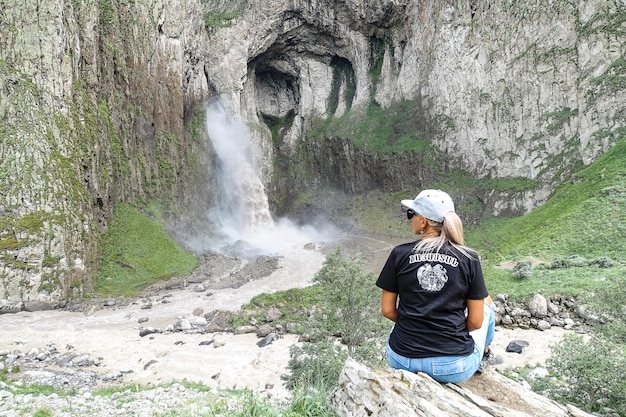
(150, 362)
(273, 314)
(142, 320)
(245, 329)
(198, 288)
(219, 340)
(196, 279)
(543, 325)
(91, 310)
(516, 346)
(199, 322)
(182, 324)
(264, 330)
(198, 311)
(538, 306)
(270, 338)
(206, 342)
(149, 330)
(538, 373)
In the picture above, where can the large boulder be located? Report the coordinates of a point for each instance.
(367, 393)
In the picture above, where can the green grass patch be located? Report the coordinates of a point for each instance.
(136, 252)
(571, 282)
(583, 217)
(401, 127)
(293, 304)
(221, 19)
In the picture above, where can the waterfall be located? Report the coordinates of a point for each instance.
(242, 224)
(242, 210)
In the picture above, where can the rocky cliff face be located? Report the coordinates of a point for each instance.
(508, 89)
(103, 101)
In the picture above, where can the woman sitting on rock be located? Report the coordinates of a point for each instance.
(435, 293)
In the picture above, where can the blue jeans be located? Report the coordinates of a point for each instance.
(454, 369)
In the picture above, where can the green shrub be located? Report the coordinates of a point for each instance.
(43, 412)
(310, 403)
(608, 304)
(593, 373)
(574, 261)
(602, 262)
(523, 270)
(315, 366)
(351, 301)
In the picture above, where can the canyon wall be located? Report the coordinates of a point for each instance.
(100, 102)
(528, 90)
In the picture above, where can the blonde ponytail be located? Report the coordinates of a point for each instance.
(453, 228)
(450, 230)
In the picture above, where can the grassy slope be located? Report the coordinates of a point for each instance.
(135, 253)
(585, 217)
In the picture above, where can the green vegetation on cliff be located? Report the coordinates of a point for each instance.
(135, 252)
(399, 128)
(584, 216)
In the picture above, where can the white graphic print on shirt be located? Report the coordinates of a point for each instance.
(432, 279)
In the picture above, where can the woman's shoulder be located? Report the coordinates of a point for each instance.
(405, 247)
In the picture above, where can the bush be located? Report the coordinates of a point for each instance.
(602, 262)
(608, 304)
(312, 403)
(570, 262)
(315, 366)
(351, 300)
(523, 270)
(593, 373)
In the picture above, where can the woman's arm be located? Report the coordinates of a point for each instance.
(388, 305)
(475, 314)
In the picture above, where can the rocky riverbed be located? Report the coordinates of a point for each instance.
(174, 333)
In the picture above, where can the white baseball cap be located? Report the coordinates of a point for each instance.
(432, 204)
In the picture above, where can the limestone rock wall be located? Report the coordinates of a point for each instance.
(100, 102)
(103, 101)
(511, 89)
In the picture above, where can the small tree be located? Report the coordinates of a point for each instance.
(352, 303)
(593, 372)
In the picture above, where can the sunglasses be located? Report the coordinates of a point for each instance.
(410, 214)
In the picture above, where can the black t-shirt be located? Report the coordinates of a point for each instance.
(432, 288)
